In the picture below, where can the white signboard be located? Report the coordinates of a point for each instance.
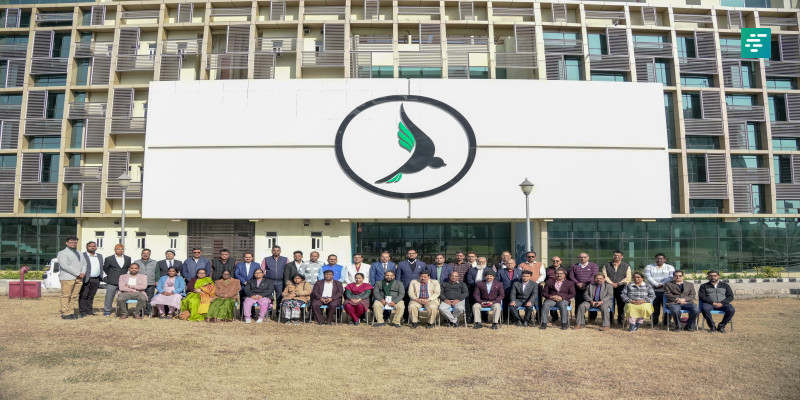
(397, 149)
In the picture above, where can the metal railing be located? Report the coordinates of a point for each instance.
(87, 110)
(139, 62)
(182, 46)
(53, 17)
(83, 174)
(91, 49)
(42, 127)
(746, 113)
(276, 45)
(323, 59)
(563, 46)
(128, 126)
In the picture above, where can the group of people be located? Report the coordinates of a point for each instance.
(197, 289)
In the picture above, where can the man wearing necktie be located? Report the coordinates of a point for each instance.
(377, 269)
(169, 261)
(72, 271)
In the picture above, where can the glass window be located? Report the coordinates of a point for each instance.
(674, 183)
(422, 72)
(10, 99)
(740, 100)
(61, 43)
(777, 108)
(788, 206)
(572, 68)
(775, 51)
(597, 44)
(608, 76)
(669, 113)
(55, 105)
(696, 163)
(741, 161)
(8, 160)
(561, 35)
(76, 138)
(759, 199)
(705, 206)
(697, 80)
(73, 194)
(702, 142)
(748, 74)
(662, 72)
(692, 108)
(753, 136)
(781, 83)
(40, 206)
(45, 142)
(478, 72)
(786, 144)
(82, 77)
(382, 72)
(50, 166)
(49, 80)
(686, 47)
(783, 169)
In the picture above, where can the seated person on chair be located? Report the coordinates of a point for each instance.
(171, 289)
(523, 294)
(424, 293)
(388, 294)
(638, 297)
(716, 296)
(296, 294)
(259, 291)
(131, 287)
(454, 295)
(488, 293)
(557, 293)
(356, 296)
(200, 295)
(326, 292)
(223, 308)
(598, 294)
(680, 296)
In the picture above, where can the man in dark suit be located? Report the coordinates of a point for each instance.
(91, 281)
(410, 268)
(439, 270)
(488, 293)
(326, 292)
(193, 263)
(169, 261)
(507, 276)
(378, 269)
(274, 268)
(599, 294)
(524, 293)
(244, 270)
(224, 263)
(114, 266)
(557, 293)
(503, 264)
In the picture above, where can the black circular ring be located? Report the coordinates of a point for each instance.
(420, 99)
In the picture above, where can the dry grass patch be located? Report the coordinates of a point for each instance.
(46, 357)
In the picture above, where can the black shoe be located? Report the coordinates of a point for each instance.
(397, 326)
(518, 323)
(81, 315)
(494, 326)
(413, 325)
(70, 316)
(564, 327)
(378, 325)
(478, 325)
(351, 323)
(721, 329)
(429, 326)
(712, 328)
(454, 325)
(320, 323)
(525, 324)
(358, 322)
(543, 326)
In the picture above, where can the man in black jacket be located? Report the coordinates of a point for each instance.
(91, 282)
(454, 295)
(114, 266)
(717, 296)
(224, 263)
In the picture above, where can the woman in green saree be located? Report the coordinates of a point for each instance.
(199, 298)
(227, 289)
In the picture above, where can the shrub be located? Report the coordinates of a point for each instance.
(32, 275)
(768, 272)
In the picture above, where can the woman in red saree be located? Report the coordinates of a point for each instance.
(356, 299)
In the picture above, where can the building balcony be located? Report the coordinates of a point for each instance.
(140, 17)
(604, 62)
(323, 59)
(182, 46)
(10, 111)
(114, 191)
(43, 127)
(615, 16)
(703, 127)
(8, 174)
(128, 126)
(525, 14)
(13, 51)
(652, 49)
(83, 174)
(38, 190)
(46, 66)
(54, 17)
(230, 12)
(227, 61)
(787, 191)
(788, 69)
(746, 113)
(704, 190)
(778, 21)
(563, 46)
(276, 45)
(424, 13)
(731, 51)
(707, 66)
(325, 12)
(92, 49)
(87, 110)
(139, 62)
(785, 128)
(515, 60)
(371, 43)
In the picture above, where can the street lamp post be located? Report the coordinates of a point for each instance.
(527, 188)
(124, 180)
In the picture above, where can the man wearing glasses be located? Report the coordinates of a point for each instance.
(194, 263)
(538, 272)
(550, 274)
(582, 275)
(716, 295)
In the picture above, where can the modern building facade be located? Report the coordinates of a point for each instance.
(74, 93)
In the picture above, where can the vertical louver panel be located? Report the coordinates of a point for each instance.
(732, 73)
(264, 67)
(649, 15)
(123, 103)
(617, 41)
(98, 15)
(37, 102)
(42, 44)
(645, 69)
(170, 67)
(790, 48)
(117, 165)
(555, 66)
(16, 73)
(277, 10)
(710, 102)
(95, 133)
(128, 41)
(31, 165)
(705, 45)
(334, 37)
(185, 12)
(372, 9)
(793, 106)
(238, 38)
(12, 18)
(526, 38)
(795, 168)
(742, 199)
(715, 165)
(101, 71)
(466, 10)
(735, 20)
(91, 197)
(559, 12)
(9, 135)
(7, 198)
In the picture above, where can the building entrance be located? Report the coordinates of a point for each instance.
(214, 235)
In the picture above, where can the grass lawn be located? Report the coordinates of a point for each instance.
(44, 357)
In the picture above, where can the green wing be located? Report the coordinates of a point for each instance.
(396, 178)
(406, 139)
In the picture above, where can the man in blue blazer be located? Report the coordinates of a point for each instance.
(377, 269)
(275, 267)
(409, 269)
(193, 263)
(244, 270)
(441, 271)
(508, 276)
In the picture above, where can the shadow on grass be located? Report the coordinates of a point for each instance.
(63, 357)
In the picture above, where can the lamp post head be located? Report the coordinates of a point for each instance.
(124, 180)
(526, 186)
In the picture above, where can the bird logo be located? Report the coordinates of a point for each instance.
(415, 141)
